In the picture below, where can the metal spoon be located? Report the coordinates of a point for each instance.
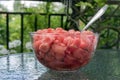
(97, 15)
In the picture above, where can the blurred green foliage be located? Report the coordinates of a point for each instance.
(88, 8)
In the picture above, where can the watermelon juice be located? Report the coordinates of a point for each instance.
(63, 50)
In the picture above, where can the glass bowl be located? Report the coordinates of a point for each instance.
(62, 50)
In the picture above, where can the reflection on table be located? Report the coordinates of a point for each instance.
(105, 65)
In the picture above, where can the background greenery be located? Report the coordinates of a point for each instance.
(87, 10)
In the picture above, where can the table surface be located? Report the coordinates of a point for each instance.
(105, 65)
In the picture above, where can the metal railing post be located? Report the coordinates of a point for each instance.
(7, 30)
(22, 32)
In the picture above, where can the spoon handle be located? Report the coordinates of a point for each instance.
(97, 15)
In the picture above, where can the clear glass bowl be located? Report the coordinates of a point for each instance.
(64, 52)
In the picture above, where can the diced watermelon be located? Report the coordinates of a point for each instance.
(49, 58)
(36, 45)
(59, 49)
(84, 42)
(44, 47)
(50, 30)
(69, 59)
(57, 65)
(68, 40)
(78, 53)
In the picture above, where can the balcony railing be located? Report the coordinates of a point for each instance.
(22, 14)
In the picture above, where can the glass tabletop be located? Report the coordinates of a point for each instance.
(105, 65)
